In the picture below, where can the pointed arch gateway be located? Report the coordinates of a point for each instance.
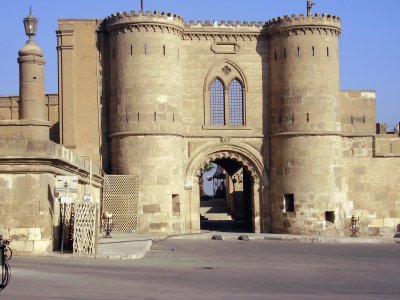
(230, 156)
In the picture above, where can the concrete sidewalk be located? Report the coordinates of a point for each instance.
(135, 246)
(124, 246)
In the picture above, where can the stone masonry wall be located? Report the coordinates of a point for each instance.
(29, 164)
(79, 81)
(372, 185)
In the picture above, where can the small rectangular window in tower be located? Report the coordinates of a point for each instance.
(313, 51)
(288, 202)
(176, 206)
(155, 116)
(164, 50)
(284, 53)
(275, 55)
(327, 51)
(330, 216)
(298, 51)
(131, 49)
(146, 49)
(308, 117)
(173, 118)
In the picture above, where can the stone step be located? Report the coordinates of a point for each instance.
(213, 210)
(224, 217)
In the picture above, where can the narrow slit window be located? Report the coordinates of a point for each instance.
(236, 103)
(275, 55)
(298, 51)
(146, 49)
(327, 51)
(288, 203)
(164, 51)
(217, 102)
(131, 49)
(308, 117)
(155, 116)
(313, 51)
(284, 53)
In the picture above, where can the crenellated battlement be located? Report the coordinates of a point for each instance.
(225, 24)
(125, 18)
(325, 22)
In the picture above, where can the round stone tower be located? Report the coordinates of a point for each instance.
(305, 124)
(146, 112)
(31, 72)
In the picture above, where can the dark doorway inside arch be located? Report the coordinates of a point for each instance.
(226, 197)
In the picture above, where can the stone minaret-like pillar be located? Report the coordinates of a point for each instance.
(31, 73)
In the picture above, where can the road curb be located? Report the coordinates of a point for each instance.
(290, 238)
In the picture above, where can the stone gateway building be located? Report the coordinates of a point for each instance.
(152, 96)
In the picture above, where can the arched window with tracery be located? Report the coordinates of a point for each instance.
(217, 102)
(236, 103)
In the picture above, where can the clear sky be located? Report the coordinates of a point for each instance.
(370, 41)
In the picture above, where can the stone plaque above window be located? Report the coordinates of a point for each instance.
(225, 48)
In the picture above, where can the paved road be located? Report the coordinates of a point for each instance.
(204, 269)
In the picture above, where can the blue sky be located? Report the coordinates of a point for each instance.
(370, 41)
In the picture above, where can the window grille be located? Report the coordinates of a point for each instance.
(217, 103)
(235, 103)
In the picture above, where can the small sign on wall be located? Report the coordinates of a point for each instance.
(65, 200)
(67, 184)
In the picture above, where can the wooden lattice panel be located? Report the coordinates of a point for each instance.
(121, 198)
(84, 228)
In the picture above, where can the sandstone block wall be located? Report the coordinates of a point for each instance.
(79, 82)
(9, 111)
(27, 209)
(371, 185)
(29, 164)
(314, 178)
(358, 112)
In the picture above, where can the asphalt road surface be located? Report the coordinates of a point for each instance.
(206, 269)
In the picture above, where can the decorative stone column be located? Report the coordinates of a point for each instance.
(31, 70)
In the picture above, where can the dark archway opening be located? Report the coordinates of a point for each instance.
(226, 206)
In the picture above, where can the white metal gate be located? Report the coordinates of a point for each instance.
(121, 198)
